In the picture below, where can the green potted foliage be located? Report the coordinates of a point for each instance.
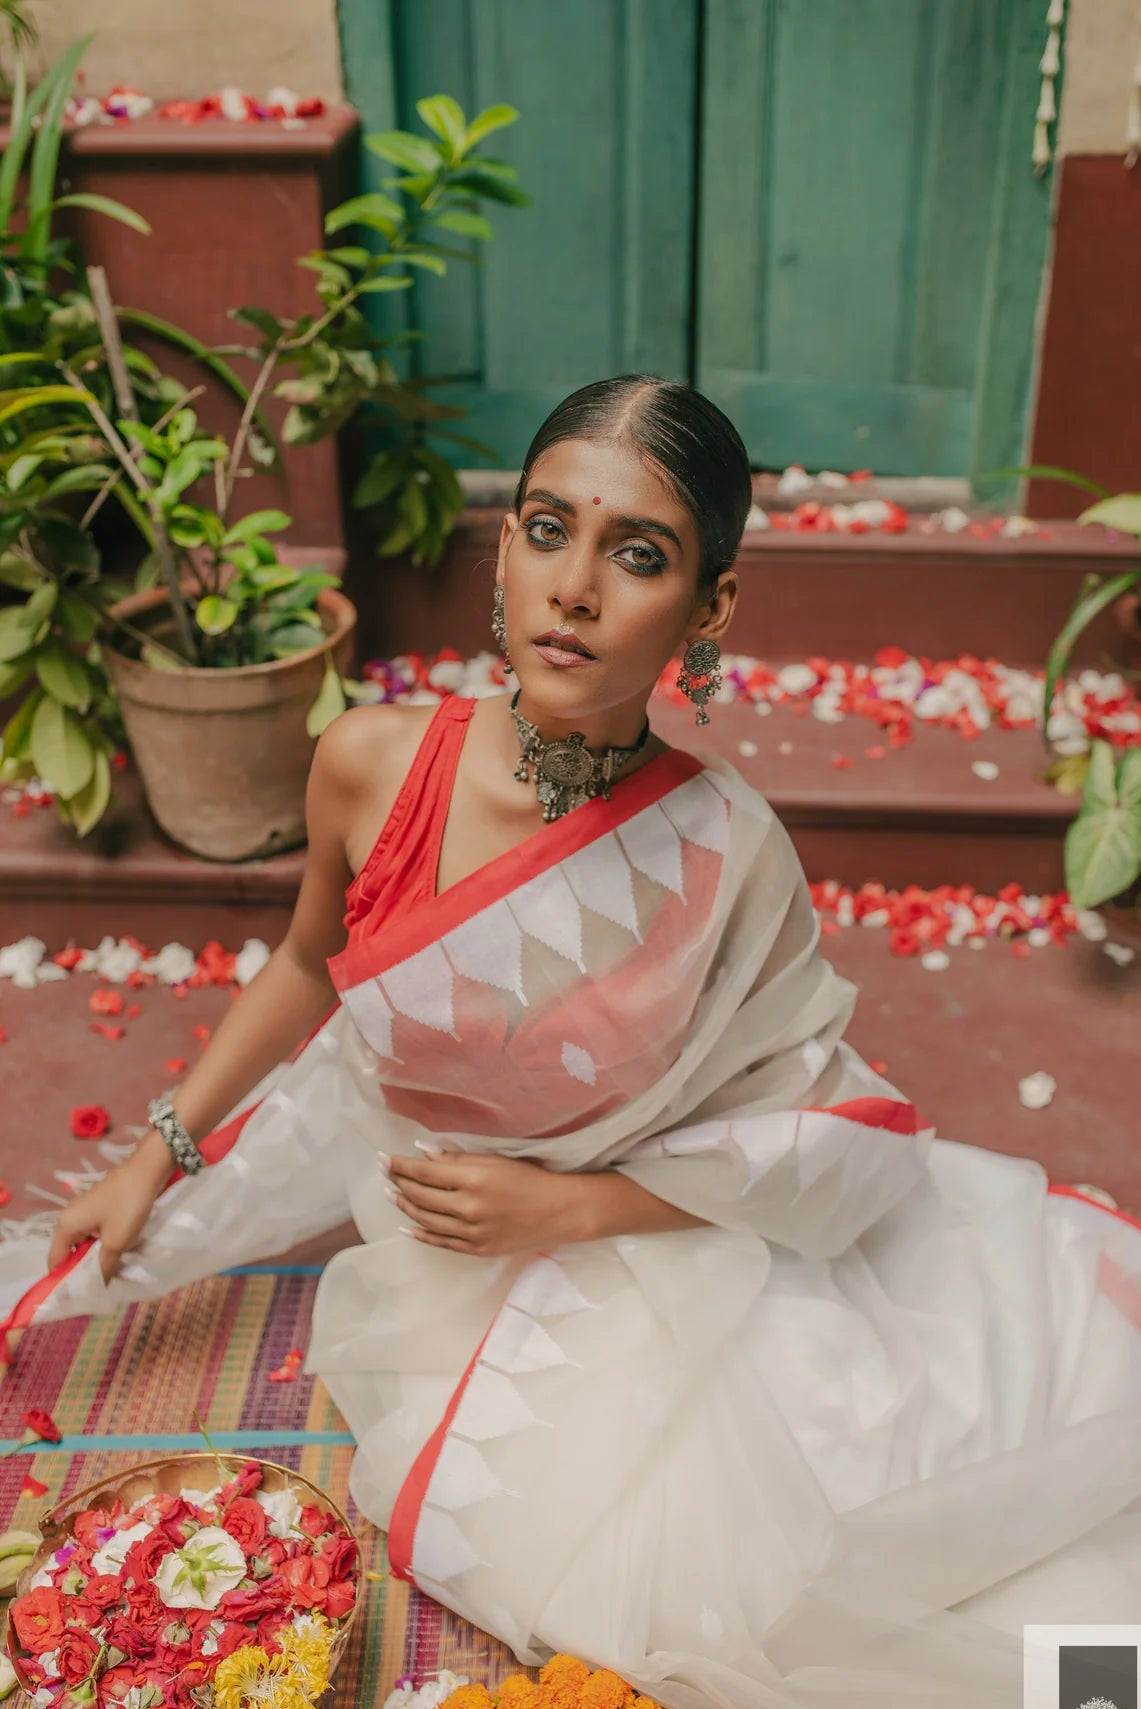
(1103, 845)
(225, 662)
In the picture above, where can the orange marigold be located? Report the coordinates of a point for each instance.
(604, 1690)
(564, 1670)
(518, 1692)
(470, 1697)
(645, 1703)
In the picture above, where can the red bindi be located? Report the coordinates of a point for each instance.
(596, 501)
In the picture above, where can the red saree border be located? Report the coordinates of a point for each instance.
(413, 1491)
(499, 877)
(1067, 1192)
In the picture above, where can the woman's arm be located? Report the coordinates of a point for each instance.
(491, 1206)
(278, 1009)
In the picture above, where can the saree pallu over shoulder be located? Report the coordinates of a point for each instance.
(832, 1448)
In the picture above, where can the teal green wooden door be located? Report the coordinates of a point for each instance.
(595, 277)
(820, 211)
(871, 233)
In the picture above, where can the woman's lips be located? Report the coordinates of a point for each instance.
(556, 652)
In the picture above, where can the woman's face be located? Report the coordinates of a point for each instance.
(602, 551)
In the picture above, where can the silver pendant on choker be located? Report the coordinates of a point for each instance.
(566, 773)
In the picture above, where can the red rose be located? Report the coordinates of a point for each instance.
(44, 1425)
(245, 1520)
(87, 1523)
(144, 1557)
(146, 1610)
(124, 1635)
(339, 1598)
(341, 1554)
(246, 1481)
(89, 1121)
(78, 1652)
(102, 1592)
(275, 1550)
(38, 1619)
(316, 1522)
(231, 1638)
(308, 1580)
(269, 1630)
(250, 1605)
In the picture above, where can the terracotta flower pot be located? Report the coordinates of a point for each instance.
(224, 754)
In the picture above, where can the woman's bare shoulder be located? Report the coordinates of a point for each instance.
(371, 747)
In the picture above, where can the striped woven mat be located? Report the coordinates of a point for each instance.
(125, 1388)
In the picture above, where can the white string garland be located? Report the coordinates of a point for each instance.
(1050, 66)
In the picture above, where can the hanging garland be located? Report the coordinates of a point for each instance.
(1050, 66)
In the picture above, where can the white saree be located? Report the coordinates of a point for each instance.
(828, 1452)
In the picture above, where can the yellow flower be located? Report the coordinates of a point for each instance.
(518, 1692)
(469, 1697)
(251, 1679)
(604, 1690)
(644, 1703)
(306, 1650)
(564, 1671)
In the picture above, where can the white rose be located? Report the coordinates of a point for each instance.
(283, 1508)
(1036, 1091)
(111, 1556)
(200, 1573)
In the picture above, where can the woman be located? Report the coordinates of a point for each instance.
(675, 1339)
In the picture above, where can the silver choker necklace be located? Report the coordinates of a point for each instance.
(566, 772)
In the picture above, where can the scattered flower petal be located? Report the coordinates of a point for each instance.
(1037, 1090)
(89, 1121)
(1120, 953)
(32, 1486)
(175, 1064)
(936, 961)
(747, 750)
(986, 769)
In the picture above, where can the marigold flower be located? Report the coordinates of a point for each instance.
(645, 1703)
(604, 1690)
(467, 1697)
(518, 1692)
(564, 1670)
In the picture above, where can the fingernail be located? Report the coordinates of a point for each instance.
(428, 1148)
(391, 1193)
(385, 1161)
(403, 1230)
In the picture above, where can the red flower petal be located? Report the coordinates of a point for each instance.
(5, 1196)
(202, 1033)
(175, 1064)
(107, 1030)
(105, 1001)
(133, 1011)
(32, 1486)
(89, 1121)
(43, 1424)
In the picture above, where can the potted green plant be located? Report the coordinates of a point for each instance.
(222, 655)
(1103, 845)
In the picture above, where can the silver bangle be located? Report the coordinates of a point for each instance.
(164, 1119)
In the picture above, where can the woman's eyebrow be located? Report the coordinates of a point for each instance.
(635, 524)
(540, 495)
(647, 525)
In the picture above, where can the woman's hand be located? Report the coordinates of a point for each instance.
(489, 1207)
(116, 1209)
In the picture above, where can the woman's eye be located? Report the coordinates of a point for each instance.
(544, 531)
(645, 560)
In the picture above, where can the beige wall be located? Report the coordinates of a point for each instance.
(171, 49)
(1103, 39)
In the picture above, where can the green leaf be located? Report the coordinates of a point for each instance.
(202, 353)
(87, 806)
(401, 148)
(37, 397)
(379, 480)
(13, 676)
(21, 468)
(351, 255)
(375, 210)
(411, 519)
(64, 676)
(496, 185)
(1122, 511)
(215, 614)
(257, 522)
(329, 704)
(267, 324)
(444, 478)
(19, 572)
(62, 751)
(1045, 472)
(295, 638)
(77, 621)
(17, 635)
(385, 282)
(491, 119)
(1129, 780)
(18, 730)
(444, 116)
(424, 258)
(471, 225)
(1092, 601)
(48, 99)
(101, 205)
(149, 573)
(1103, 855)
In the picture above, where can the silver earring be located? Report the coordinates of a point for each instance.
(700, 676)
(499, 627)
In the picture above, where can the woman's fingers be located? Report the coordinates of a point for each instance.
(448, 1201)
(453, 1226)
(63, 1240)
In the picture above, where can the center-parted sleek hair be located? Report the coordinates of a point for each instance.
(695, 448)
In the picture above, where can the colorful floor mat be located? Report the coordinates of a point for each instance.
(125, 1388)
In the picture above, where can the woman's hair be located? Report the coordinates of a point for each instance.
(695, 448)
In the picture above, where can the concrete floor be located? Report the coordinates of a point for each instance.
(956, 1042)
